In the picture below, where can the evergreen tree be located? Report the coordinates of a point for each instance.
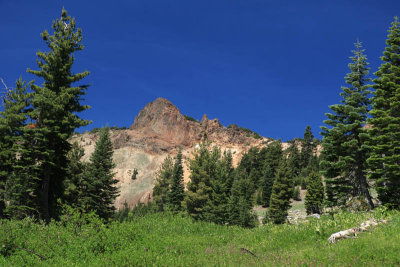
(266, 187)
(280, 197)
(293, 159)
(100, 183)
(315, 194)
(273, 155)
(217, 207)
(384, 136)
(203, 169)
(307, 147)
(241, 202)
(164, 179)
(176, 193)
(344, 156)
(75, 184)
(18, 178)
(56, 106)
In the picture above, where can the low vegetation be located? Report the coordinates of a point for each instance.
(164, 239)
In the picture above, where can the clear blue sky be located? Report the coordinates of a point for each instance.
(271, 66)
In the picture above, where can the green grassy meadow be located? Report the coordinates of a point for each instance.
(174, 240)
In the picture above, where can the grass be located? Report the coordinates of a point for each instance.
(172, 240)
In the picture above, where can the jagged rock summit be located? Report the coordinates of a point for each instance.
(159, 130)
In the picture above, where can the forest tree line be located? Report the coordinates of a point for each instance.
(40, 170)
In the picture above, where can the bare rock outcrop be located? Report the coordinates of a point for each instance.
(159, 130)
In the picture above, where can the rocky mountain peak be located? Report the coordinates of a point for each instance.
(158, 115)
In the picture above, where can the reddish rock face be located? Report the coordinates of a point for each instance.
(163, 121)
(159, 130)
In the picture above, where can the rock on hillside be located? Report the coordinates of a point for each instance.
(158, 130)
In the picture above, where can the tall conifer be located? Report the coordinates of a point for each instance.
(56, 106)
(100, 181)
(280, 197)
(176, 192)
(384, 136)
(343, 154)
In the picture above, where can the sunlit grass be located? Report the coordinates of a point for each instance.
(173, 240)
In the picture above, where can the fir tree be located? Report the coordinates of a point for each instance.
(100, 183)
(273, 154)
(384, 136)
(164, 179)
(75, 184)
(18, 169)
(280, 197)
(307, 147)
(293, 159)
(315, 194)
(217, 207)
(176, 193)
(241, 202)
(203, 169)
(344, 156)
(266, 187)
(56, 106)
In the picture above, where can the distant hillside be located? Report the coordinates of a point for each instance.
(158, 130)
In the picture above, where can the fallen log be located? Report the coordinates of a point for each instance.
(352, 232)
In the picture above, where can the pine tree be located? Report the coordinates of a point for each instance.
(273, 155)
(293, 159)
(75, 184)
(163, 182)
(203, 168)
(280, 197)
(266, 187)
(217, 207)
(384, 136)
(307, 147)
(176, 193)
(18, 178)
(56, 106)
(344, 157)
(315, 194)
(100, 183)
(241, 202)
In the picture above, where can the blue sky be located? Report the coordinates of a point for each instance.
(271, 66)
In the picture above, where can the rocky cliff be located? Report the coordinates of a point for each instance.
(158, 130)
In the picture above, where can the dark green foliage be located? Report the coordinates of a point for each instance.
(76, 183)
(268, 179)
(134, 174)
(343, 153)
(293, 159)
(176, 193)
(272, 154)
(56, 105)
(307, 147)
(241, 203)
(99, 178)
(217, 207)
(315, 194)
(296, 193)
(203, 170)
(384, 136)
(187, 117)
(163, 181)
(280, 197)
(18, 169)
